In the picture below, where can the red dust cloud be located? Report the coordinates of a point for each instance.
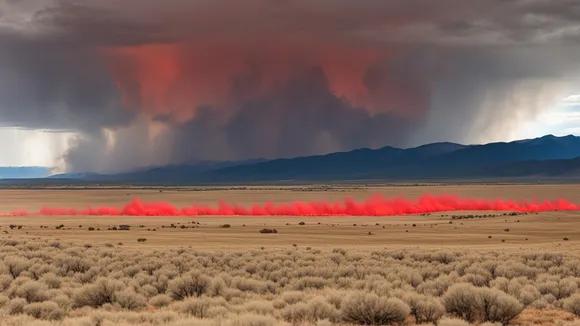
(374, 206)
(175, 79)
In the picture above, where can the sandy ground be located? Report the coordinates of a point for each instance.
(542, 231)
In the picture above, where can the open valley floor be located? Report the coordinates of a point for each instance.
(445, 268)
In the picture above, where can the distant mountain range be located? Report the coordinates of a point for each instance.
(544, 157)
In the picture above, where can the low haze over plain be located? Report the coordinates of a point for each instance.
(109, 85)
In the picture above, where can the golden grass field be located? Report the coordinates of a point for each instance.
(318, 273)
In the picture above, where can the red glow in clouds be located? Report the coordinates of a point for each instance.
(374, 206)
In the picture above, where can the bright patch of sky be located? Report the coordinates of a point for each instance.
(24, 147)
(563, 120)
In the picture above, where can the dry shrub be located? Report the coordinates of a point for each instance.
(32, 291)
(4, 300)
(559, 288)
(5, 281)
(217, 287)
(529, 294)
(73, 264)
(296, 284)
(572, 304)
(16, 306)
(48, 310)
(218, 312)
(423, 308)
(316, 309)
(258, 307)
(370, 309)
(462, 300)
(320, 309)
(97, 294)
(161, 300)
(190, 285)
(297, 313)
(197, 307)
(129, 299)
(149, 290)
(335, 298)
(310, 282)
(15, 265)
(430, 310)
(253, 285)
(63, 301)
(497, 306)
(51, 280)
(292, 297)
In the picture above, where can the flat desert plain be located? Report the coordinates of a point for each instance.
(444, 268)
(546, 229)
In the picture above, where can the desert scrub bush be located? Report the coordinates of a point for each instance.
(497, 306)
(192, 284)
(463, 301)
(572, 304)
(217, 287)
(48, 310)
(316, 309)
(559, 288)
(310, 282)
(15, 265)
(253, 285)
(259, 307)
(5, 281)
(32, 291)
(4, 300)
(97, 294)
(197, 307)
(129, 299)
(423, 308)
(161, 300)
(73, 264)
(16, 306)
(292, 297)
(370, 309)
(51, 280)
(529, 294)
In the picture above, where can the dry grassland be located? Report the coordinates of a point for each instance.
(432, 269)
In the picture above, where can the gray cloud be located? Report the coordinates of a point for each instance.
(479, 66)
(53, 85)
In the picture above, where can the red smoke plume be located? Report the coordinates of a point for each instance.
(175, 79)
(374, 206)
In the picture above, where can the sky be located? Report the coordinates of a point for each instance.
(111, 85)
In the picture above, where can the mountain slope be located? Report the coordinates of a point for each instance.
(432, 160)
(544, 148)
(354, 163)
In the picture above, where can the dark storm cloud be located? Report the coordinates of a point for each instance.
(54, 85)
(88, 24)
(481, 66)
(301, 118)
